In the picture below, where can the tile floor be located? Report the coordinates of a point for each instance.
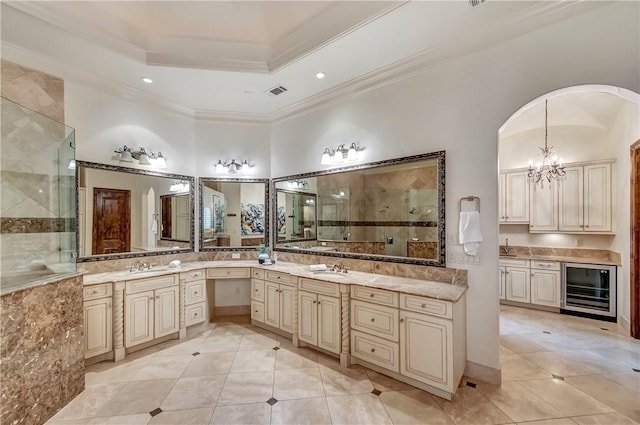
(557, 370)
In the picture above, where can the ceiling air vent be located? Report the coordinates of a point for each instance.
(277, 90)
(474, 3)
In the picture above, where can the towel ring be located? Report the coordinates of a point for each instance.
(470, 199)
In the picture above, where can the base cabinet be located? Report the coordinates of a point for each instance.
(517, 284)
(150, 315)
(98, 325)
(319, 321)
(280, 306)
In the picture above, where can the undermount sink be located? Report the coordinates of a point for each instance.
(328, 273)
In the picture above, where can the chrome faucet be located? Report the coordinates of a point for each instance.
(505, 249)
(339, 268)
(138, 267)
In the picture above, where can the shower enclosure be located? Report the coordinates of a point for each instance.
(38, 198)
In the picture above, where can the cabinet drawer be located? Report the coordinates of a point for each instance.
(257, 273)
(257, 311)
(375, 350)
(545, 265)
(381, 321)
(194, 275)
(195, 292)
(195, 314)
(280, 277)
(320, 287)
(150, 283)
(229, 273)
(374, 295)
(97, 291)
(426, 305)
(513, 262)
(257, 290)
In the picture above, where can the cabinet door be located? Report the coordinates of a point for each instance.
(502, 282)
(545, 287)
(308, 317)
(288, 303)
(166, 311)
(138, 318)
(502, 209)
(516, 198)
(570, 201)
(329, 323)
(597, 192)
(517, 284)
(426, 349)
(98, 327)
(272, 304)
(544, 207)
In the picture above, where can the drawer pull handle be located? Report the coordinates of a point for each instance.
(401, 320)
(315, 302)
(423, 306)
(195, 314)
(256, 311)
(373, 350)
(195, 293)
(256, 289)
(373, 319)
(371, 295)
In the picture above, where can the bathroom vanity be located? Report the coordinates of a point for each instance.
(412, 330)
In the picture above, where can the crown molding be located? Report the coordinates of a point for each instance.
(232, 117)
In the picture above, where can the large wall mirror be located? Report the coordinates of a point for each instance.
(234, 213)
(391, 210)
(126, 212)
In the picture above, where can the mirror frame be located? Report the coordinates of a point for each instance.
(267, 212)
(275, 203)
(124, 255)
(440, 260)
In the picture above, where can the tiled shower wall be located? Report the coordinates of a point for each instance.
(31, 230)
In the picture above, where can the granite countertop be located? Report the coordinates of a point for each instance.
(431, 289)
(563, 258)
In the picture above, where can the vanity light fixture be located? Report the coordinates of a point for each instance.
(179, 186)
(232, 167)
(147, 80)
(340, 154)
(142, 156)
(72, 164)
(299, 184)
(551, 167)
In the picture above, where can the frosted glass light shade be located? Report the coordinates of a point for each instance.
(125, 156)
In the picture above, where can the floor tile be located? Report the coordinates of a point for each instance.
(520, 344)
(564, 397)
(89, 402)
(226, 330)
(384, 383)
(163, 367)
(606, 419)
(630, 380)
(210, 364)
(220, 343)
(469, 407)
(242, 414)
(606, 391)
(518, 403)
(295, 358)
(141, 419)
(254, 361)
(194, 392)
(339, 380)
(413, 407)
(516, 368)
(247, 388)
(559, 421)
(183, 417)
(297, 383)
(256, 341)
(558, 365)
(310, 411)
(138, 397)
(108, 372)
(186, 347)
(365, 409)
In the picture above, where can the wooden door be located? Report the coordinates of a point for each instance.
(166, 311)
(111, 221)
(329, 323)
(308, 317)
(635, 241)
(165, 206)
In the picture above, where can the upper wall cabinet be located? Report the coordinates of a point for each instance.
(580, 203)
(514, 197)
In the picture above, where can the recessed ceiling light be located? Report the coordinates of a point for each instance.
(147, 80)
(320, 75)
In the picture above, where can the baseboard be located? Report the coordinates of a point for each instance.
(530, 306)
(232, 310)
(483, 373)
(625, 324)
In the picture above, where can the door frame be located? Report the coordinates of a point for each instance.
(97, 191)
(634, 263)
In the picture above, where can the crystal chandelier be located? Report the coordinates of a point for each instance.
(551, 167)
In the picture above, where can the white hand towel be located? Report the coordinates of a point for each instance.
(469, 232)
(154, 226)
(318, 267)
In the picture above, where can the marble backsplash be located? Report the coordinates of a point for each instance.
(594, 255)
(42, 350)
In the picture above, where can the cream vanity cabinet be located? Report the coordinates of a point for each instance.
(433, 342)
(517, 280)
(319, 314)
(150, 309)
(257, 295)
(503, 281)
(514, 197)
(579, 203)
(195, 296)
(98, 320)
(280, 297)
(545, 283)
